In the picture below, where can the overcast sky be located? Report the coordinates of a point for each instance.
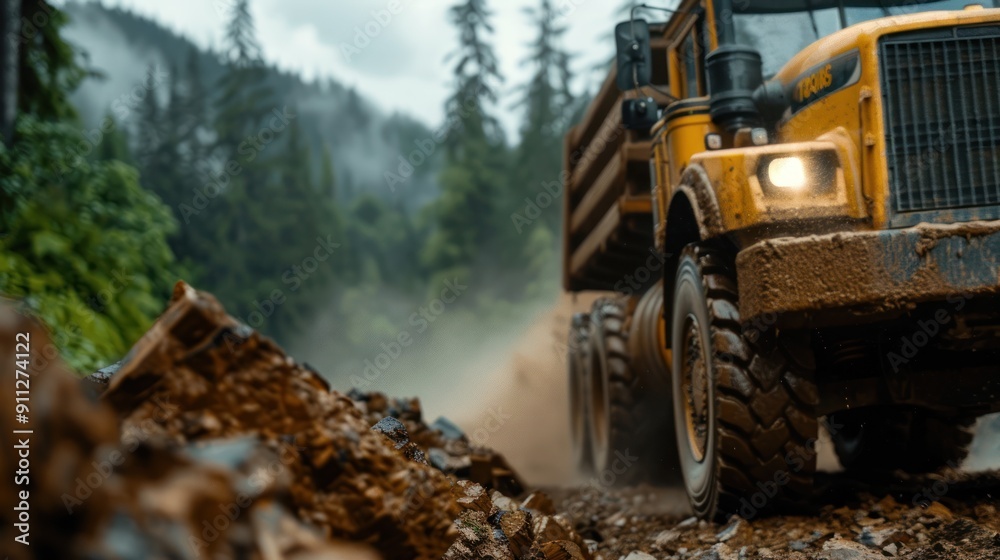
(402, 68)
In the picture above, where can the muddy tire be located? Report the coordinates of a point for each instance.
(579, 410)
(615, 411)
(744, 412)
(883, 439)
(650, 361)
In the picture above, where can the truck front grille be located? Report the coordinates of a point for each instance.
(941, 99)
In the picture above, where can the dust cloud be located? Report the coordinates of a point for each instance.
(525, 414)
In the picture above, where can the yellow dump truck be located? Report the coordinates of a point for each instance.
(795, 206)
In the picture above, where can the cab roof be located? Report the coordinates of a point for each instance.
(785, 6)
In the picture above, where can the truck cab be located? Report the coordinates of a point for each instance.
(822, 207)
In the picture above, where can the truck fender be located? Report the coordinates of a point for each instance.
(694, 213)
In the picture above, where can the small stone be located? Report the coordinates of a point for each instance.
(639, 556)
(689, 522)
(878, 539)
(891, 550)
(615, 519)
(666, 537)
(737, 533)
(886, 504)
(840, 549)
(939, 510)
(394, 430)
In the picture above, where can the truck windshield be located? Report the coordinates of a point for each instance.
(779, 37)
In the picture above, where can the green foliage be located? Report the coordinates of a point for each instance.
(114, 146)
(48, 66)
(548, 105)
(85, 249)
(255, 228)
(248, 233)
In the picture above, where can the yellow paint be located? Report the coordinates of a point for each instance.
(848, 121)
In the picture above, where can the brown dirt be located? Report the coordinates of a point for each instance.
(211, 442)
(854, 520)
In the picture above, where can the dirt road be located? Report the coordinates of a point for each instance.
(945, 516)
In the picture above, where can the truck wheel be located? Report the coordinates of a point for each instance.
(744, 413)
(650, 362)
(616, 450)
(882, 439)
(577, 356)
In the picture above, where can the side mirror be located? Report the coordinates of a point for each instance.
(635, 57)
(639, 114)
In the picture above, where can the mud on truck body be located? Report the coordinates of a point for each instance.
(792, 240)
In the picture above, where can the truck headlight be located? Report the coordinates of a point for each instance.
(787, 173)
(809, 173)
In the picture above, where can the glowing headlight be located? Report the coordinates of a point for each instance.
(787, 173)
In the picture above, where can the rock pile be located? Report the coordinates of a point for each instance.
(100, 489)
(494, 526)
(207, 441)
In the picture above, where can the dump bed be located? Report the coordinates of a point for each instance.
(607, 211)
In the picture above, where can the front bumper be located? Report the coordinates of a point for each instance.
(844, 278)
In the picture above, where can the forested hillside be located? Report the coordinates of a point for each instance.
(299, 203)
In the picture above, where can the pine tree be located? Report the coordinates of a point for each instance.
(240, 222)
(469, 214)
(547, 103)
(49, 67)
(242, 45)
(477, 75)
(154, 150)
(191, 105)
(245, 97)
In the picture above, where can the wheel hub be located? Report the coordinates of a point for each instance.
(695, 380)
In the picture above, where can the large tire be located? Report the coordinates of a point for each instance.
(626, 447)
(650, 362)
(577, 356)
(744, 413)
(882, 439)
